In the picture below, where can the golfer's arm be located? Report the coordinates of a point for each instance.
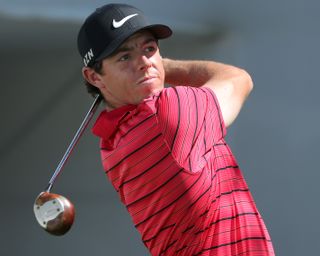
(231, 85)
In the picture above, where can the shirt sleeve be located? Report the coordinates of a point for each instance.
(191, 123)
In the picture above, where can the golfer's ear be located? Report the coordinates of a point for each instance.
(92, 77)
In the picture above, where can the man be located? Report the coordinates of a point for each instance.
(163, 149)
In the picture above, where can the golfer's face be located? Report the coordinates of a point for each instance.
(134, 72)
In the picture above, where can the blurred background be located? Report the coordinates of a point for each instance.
(43, 101)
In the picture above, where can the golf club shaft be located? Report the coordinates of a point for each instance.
(74, 141)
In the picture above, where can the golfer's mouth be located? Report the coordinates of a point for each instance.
(147, 80)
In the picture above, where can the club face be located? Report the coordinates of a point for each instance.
(54, 213)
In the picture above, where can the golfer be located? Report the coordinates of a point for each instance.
(163, 148)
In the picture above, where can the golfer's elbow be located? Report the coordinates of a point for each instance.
(245, 83)
(250, 82)
(239, 90)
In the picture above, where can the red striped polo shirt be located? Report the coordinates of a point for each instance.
(169, 162)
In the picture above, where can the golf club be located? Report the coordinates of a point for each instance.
(54, 212)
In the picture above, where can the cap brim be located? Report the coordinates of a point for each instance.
(158, 30)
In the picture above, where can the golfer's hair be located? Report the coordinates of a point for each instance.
(91, 89)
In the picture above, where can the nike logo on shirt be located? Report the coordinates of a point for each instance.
(118, 24)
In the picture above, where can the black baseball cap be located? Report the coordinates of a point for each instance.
(109, 26)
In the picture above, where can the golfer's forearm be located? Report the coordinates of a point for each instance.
(196, 73)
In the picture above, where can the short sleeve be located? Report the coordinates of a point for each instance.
(191, 122)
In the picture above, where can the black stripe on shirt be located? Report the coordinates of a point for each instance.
(155, 190)
(231, 243)
(226, 218)
(217, 107)
(178, 125)
(130, 154)
(170, 204)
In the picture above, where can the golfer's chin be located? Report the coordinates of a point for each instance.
(149, 91)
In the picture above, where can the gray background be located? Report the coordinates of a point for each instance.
(276, 137)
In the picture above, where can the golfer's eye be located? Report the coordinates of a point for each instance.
(124, 57)
(150, 49)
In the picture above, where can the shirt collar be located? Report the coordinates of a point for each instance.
(107, 122)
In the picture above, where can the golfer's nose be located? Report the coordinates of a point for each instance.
(144, 62)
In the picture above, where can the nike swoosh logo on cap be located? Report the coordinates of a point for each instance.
(118, 24)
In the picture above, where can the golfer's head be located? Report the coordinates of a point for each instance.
(105, 30)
